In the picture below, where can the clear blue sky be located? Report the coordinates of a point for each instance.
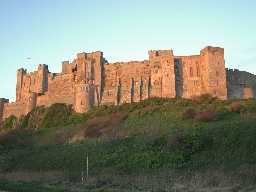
(50, 31)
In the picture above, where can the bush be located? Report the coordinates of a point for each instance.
(236, 107)
(10, 122)
(189, 113)
(206, 98)
(56, 115)
(33, 119)
(205, 116)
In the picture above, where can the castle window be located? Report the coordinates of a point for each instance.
(119, 92)
(132, 90)
(157, 53)
(217, 73)
(197, 71)
(140, 88)
(149, 87)
(109, 93)
(191, 72)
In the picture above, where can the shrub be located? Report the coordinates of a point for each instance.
(10, 122)
(33, 119)
(205, 98)
(205, 116)
(76, 118)
(189, 113)
(236, 107)
(56, 115)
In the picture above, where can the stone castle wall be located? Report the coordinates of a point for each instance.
(89, 80)
(125, 82)
(189, 76)
(60, 89)
(201, 74)
(17, 109)
(240, 84)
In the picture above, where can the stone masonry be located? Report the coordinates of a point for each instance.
(89, 80)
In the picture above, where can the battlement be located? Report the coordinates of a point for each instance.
(89, 80)
(85, 55)
(159, 53)
(67, 68)
(210, 49)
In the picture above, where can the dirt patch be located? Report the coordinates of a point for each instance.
(99, 126)
(25, 176)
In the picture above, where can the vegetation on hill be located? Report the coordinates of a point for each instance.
(156, 134)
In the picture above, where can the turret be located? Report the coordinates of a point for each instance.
(66, 67)
(84, 97)
(90, 67)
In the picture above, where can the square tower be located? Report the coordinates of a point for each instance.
(162, 77)
(213, 72)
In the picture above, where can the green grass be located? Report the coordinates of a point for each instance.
(139, 137)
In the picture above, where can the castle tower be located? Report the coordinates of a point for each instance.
(84, 97)
(42, 78)
(20, 76)
(81, 66)
(97, 71)
(90, 68)
(162, 74)
(213, 72)
(66, 67)
(2, 102)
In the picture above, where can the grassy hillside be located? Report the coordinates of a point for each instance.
(151, 137)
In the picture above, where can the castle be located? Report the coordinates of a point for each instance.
(89, 80)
